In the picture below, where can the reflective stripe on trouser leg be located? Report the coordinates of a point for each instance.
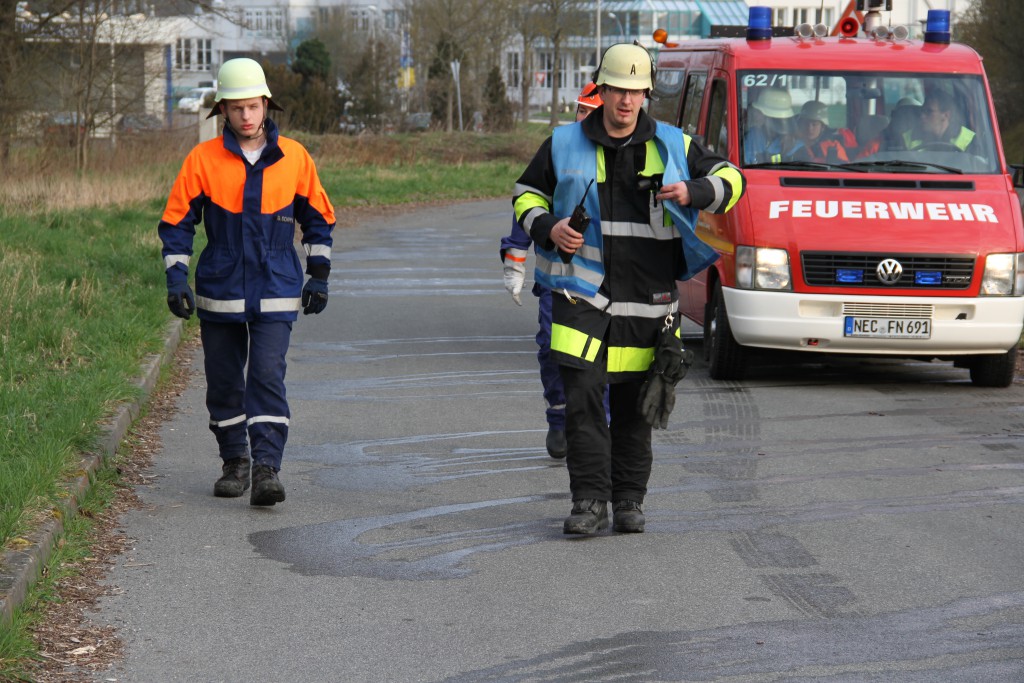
(631, 455)
(587, 432)
(225, 347)
(265, 401)
(550, 376)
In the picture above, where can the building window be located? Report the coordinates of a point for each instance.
(193, 54)
(204, 54)
(542, 75)
(514, 71)
(183, 55)
(780, 17)
(267, 22)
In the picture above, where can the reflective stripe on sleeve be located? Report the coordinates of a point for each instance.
(173, 259)
(318, 250)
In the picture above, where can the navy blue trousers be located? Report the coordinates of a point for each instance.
(554, 393)
(248, 407)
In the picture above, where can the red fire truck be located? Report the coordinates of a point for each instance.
(880, 215)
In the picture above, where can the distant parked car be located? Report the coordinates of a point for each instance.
(140, 123)
(196, 98)
(417, 121)
(63, 127)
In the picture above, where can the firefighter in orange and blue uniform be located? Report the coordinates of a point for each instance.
(251, 187)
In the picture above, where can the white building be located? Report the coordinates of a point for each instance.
(617, 21)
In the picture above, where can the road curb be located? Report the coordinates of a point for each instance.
(20, 568)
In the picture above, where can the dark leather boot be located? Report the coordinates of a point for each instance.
(587, 517)
(234, 478)
(629, 517)
(267, 489)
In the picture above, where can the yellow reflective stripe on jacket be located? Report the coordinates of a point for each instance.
(629, 358)
(530, 200)
(574, 343)
(601, 171)
(654, 164)
(731, 175)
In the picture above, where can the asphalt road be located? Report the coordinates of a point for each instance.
(843, 521)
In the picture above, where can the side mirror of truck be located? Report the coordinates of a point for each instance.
(1018, 174)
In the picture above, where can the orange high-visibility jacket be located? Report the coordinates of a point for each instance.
(249, 269)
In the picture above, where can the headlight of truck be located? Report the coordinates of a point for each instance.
(1004, 275)
(762, 268)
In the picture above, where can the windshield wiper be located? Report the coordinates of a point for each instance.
(908, 166)
(801, 165)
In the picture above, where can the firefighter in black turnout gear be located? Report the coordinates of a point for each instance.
(618, 291)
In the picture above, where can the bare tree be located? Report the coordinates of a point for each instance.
(529, 24)
(561, 19)
(472, 31)
(990, 26)
(87, 67)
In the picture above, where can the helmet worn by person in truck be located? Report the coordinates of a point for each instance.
(775, 103)
(813, 110)
(241, 79)
(626, 66)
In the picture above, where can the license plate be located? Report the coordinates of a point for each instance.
(888, 328)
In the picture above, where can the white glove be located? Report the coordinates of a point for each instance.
(515, 272)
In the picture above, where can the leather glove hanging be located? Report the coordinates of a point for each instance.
(671, 362)
(180, 299)
(514, 270)
(314, 296)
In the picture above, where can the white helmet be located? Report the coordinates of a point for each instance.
(775, 103)
(626, 66)
(240, 79)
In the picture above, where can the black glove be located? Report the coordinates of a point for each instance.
(658, 394)
(314, 296)
(180, 299)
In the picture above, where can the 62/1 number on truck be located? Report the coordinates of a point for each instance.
(888, 328)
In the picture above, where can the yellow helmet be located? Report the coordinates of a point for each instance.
(626, 66)
(240, 79)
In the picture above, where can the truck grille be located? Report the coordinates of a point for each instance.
(906, 271)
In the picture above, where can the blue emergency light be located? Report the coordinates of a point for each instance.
(849, 276)
(928, 277)
(759, 23)
(936, 28)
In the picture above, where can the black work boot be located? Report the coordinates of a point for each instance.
(555, 443)
(588, 516)
(267, 489)
(234, 479)
(629, 517)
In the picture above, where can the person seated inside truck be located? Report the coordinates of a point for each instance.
(769, 130)
(906, 116)
(870, 135)
(815, 139)
(940, 127)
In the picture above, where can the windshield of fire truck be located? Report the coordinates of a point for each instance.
(866, 122)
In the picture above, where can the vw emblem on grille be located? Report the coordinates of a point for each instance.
(889, 271)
